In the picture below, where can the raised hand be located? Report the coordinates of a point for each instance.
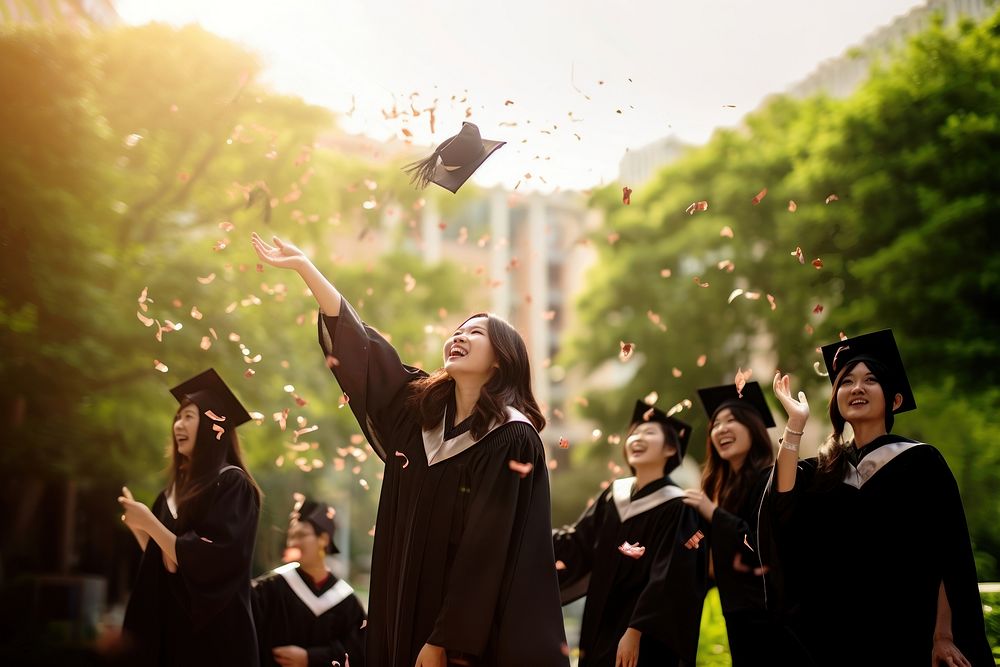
(797, 410)
(699, 500)
(141, 536)
(281, 255)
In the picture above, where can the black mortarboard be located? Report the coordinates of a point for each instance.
(713, 398)
(878, 346)
(320, 515)
(455, 160)
(645, 413)
(209, 392)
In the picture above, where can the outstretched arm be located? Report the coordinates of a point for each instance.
(798, 414)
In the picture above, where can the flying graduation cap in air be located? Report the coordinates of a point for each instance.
(454, 161)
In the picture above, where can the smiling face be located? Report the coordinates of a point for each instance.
(730, 438)
(860, 397)
(186, 429)
(305, 543)
(646, 447)
(469, 352)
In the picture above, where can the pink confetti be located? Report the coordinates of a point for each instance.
(758, 197)
(627, 349)
(632, 550)
(792, 206)
(160, 366)
(146, 321)
(696, 206)
(521, 469)
(560, 565)
(726, 232)
(563, 443)
(831, 198)
(741, 380)
(207, 279)
(797, 254)
(218, 431)
(702, 360)
(626, 195)
(818, 263)
(401, 455)
(693, 541)
(818, 308)
(214, 417)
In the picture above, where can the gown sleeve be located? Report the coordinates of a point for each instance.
(493, 533)
(669, 607)
(958, 568)
(216, 551)
(733, 540)
(368, 370)
(574, 548)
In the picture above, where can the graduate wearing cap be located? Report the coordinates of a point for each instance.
(191, 601)
(305, 616)
(738, 465)
(871, 534)
(462, 565)
(637, 554)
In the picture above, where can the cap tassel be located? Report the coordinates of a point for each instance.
(422, 171)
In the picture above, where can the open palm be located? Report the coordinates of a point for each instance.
(281, 255)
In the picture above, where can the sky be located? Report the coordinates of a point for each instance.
(571, 85)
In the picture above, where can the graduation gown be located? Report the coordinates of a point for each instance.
(326, 620)
(660, 593)
(199, 615)
(756, 636)
(862, 561)
(462, 556)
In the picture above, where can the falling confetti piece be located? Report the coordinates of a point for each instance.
(697, 281)
(651, 398)
(560, 565)
(683, 405)
(626, 195)
(665, 273)
(726, 232)
(195, 313)
(818, 308)
(160, 366)
(676, 372)
(758, 197)
(734, 294)
(344, 400)
(831, 198)
(409, 282)
(206, 342)
(626, 351)
(726, 265)
(792, 206)
(742, 379)
(648, 414)
(563, 443)
(281, 418)
(226, 226)
(303, 431)
(747, 543)
(702, 360)
(797, 254)
(656, 320)
(818, 263)
(218, 431)
(521, 469)
(770, 300)
(696, 206)
(146, 321)
(693, 541)
(214, 417)
(207, 279)
(401, 455)
(249, 373)
(632, 550)
(820, 371)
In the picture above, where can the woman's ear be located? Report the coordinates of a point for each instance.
(896, 402)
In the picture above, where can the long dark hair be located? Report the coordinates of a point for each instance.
(191, 476)
(670, 437)
(510, 384)
(727, 487)
(833, 455)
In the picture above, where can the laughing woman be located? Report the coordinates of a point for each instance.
(871, 535)
(462, 567)
(636, 554)
(191, 601)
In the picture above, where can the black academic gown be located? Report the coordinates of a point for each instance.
(756, 635)
(199, 615)
(462, 555)
(289, 609)
(862, 559)
(660, 593)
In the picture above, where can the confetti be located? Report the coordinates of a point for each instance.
(160, 366)
(770, 300)
(249, 373)
(226, 226)
(218, 431)
(214, 417)
(409, 282)
(195, 313)
(683, 405)
(651, 398)
(746, 543)
(734, 294)
(831, 198)
(206, 342)
(818, 263)
(758, 197)
(281, 418)
(819, 370)
(726, 232)
(632, 550)
(656, 320)
(563, 443)
(693, 541)
(726, 265)
(665, 273)
(697, 281)
(792, 206)
(818, 308)
(207, 279)
(797, 254)
(521, 469)
(696, 206)
(344, 400)
(626, 195)
(560, 565)
(648, 414)
(626, 351)
(303, 431)
(146, 321)
(401, 455)
(702, 360)
(741, 380)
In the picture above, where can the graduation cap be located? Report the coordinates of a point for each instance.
(455, 160)
(320, 515)
(880, 347)
(714, 398)
(645, 413)
(209, 392)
